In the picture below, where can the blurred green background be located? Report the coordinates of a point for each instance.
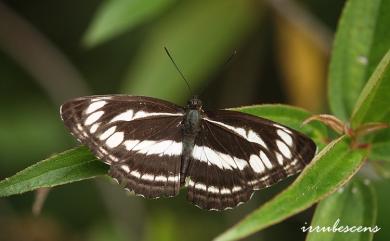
(51, 51)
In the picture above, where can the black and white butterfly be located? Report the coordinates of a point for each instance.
(155, 147)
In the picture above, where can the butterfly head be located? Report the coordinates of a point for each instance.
(194, 103)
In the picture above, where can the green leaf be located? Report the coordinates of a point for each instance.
(69, 166)
(200, 35)
(118, 16)
(361, 40)
(380, 151)
(383, 221)
(381, 39)
(380, 145)
(338, 206)
(330, 169)
(373, 103)
(290, 116)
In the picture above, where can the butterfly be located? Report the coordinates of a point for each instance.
(155, 147)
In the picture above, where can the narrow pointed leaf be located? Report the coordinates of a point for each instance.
(330, 169)
(361, 40)
(118, 16)
(69, 166)
(336, 212)
(373, 103)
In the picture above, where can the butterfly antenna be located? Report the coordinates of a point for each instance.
(230, 58)
(177, 68)
(227, 62)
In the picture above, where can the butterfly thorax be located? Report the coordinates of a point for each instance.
(192, 117)
(191, 126)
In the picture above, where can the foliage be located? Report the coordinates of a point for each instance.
(363, 197)
(67, 167)
(358, 87)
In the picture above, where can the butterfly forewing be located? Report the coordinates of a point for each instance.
(139, 137)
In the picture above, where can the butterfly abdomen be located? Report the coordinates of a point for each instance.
(191, 128)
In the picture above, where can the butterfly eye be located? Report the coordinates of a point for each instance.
(194, 103)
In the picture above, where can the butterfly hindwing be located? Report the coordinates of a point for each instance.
(237, 153)
(215, 177)
(138, 136)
